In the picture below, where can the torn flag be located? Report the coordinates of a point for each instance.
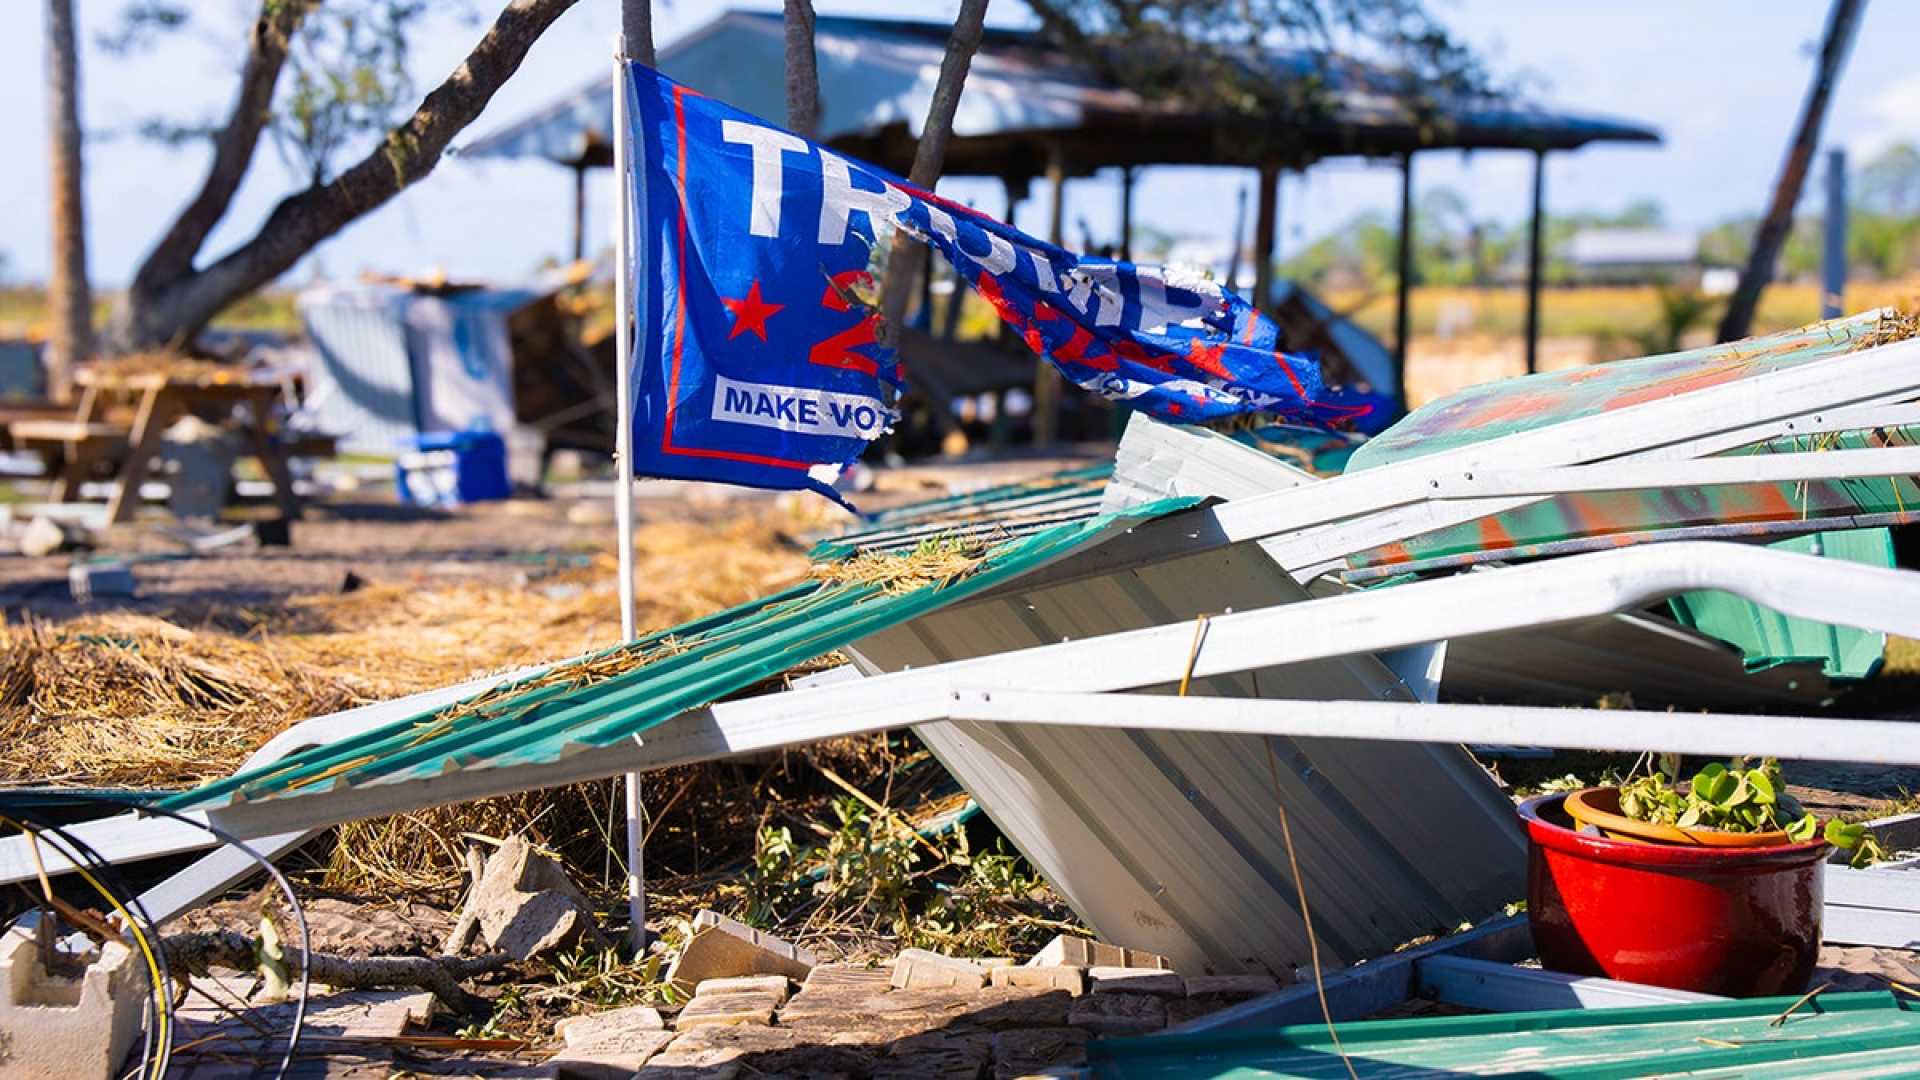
(757, 359)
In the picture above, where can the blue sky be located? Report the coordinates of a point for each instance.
(1721, 78)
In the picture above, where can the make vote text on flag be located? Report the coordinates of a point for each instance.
(757, 359)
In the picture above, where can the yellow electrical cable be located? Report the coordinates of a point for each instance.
(163, 1009)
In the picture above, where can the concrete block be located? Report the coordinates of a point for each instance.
(81, 1027)
(723, 948)
(776, 985)
(1025, 1053)
(740, 1007)
(1241, 986)
(918, 969)
(1055, 977)
(1133, 980)
(1066, 950)
(1118, 1014)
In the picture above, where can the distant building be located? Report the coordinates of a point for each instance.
(1633, 256)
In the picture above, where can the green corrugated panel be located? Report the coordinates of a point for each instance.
(1086, 476)
(1833, 1035)
(571, 707)
(1769, 638)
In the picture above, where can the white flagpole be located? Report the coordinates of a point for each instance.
(623, 458)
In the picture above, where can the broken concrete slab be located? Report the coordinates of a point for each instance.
(1134, 980)
(1023, 1053)
(1231, 986)
(1053, 977)
(723, 948)
(616, 1057)
(79, 1027)
(1068, 950)
(715, 1051)
(920, 969)
(936, 1054)
(1118, 1014)
(583, 1031)
(524, 905)
(739, 1007)
(775, 985)
(848, 976)
(998, 1009)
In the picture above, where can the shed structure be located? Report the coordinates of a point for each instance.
(1029, 112)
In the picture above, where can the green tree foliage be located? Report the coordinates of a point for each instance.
(1216, 56)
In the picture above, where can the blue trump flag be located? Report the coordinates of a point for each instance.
(759, 361)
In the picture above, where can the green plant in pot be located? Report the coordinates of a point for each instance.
(1733, 805)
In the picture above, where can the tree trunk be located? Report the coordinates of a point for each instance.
(904, 260)
(71, 340)
(803, 73)
(174, 304)
(1842, 20)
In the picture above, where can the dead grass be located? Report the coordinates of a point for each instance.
(138, 701)
(938, 561)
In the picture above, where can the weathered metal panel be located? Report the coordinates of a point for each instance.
(1852, 1035)
(1171, 841)
(1655, 661)
(1570, 663)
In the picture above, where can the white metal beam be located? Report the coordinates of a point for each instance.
(1890, 742)
(1515, 598)
(1701, 472)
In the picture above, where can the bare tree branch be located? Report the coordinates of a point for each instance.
(233, 145)
(172, 312)
(196, 953)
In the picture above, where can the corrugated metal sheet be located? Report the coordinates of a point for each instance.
(1000, 510)
(598, 700)
(1850, 1035)
(1171, 841)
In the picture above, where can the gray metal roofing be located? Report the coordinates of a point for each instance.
(1171, 840)
(878, 74)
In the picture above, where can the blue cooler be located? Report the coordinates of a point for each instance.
(446, 468)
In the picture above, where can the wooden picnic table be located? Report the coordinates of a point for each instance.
(160, 397)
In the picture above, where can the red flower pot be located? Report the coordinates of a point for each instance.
(1743, 922)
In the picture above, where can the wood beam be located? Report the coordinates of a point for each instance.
(1536, 226)
(1266, 221)
(1046, 380)
(1403, 287)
